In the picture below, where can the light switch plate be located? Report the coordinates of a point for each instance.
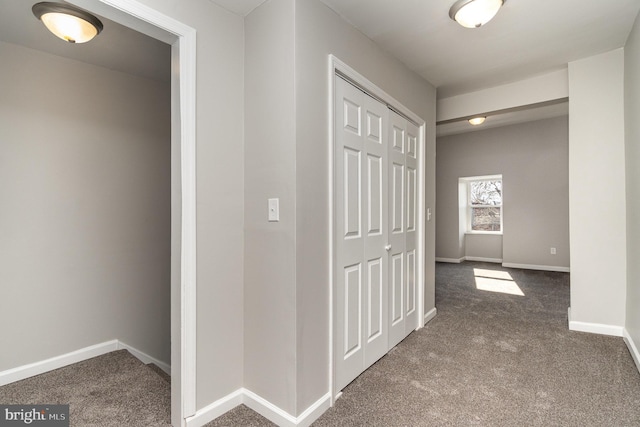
(274, 210)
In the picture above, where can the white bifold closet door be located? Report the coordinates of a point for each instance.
(361, 224)
(375, 217)
(403, 236)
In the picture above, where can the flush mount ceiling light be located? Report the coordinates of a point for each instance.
(477, 120)
(67, 22)
(474, 13)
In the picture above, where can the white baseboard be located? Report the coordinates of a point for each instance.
(468, 258)
(537, 267)
(23, 372)
(633, 349)
(505, 264)
(314, 411)
(281, 417)
(262, 406)
(145, 358)
(450, 260)
(215, 409)
(595, 328)
(481, 259)
(430, 315)
(268, 410)
(27, 371)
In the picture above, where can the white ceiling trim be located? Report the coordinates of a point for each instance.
(544, 88)
(522, 115)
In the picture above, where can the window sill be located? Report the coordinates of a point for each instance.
(491, 233)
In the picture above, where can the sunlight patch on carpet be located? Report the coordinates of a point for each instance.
(496, 281)
(492, 274)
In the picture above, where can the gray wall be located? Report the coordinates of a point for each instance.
(270, 280)
(85, 218)
(219, 194)
(597, 199)
(533, 160)
(320, 32)
(220, 199)
(483, 247)
(287, 263)
(632, 136)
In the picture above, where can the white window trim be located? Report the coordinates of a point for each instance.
(468, 181)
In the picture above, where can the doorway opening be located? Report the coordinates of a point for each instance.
(182, 39)
(182, 183)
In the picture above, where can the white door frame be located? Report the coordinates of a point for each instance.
(337, 66)
(182, 39)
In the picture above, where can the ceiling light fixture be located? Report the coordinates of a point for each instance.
(474, 13)
(477, 120)
(67, 22)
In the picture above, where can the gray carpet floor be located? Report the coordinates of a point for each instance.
(490, 359)
(487, 359)
(114, 389)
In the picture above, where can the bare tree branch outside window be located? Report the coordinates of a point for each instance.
(485, 198)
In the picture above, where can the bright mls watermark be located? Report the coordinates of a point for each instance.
(34, 415)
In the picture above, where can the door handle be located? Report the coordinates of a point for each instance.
(387, 248)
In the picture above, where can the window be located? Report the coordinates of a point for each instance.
(484, 204)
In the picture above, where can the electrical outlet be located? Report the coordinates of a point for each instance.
(553, 251)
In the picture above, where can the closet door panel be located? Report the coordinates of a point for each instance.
(397, 228)
(411, 228)
(360, 218)
(349, 277)
(375, 311)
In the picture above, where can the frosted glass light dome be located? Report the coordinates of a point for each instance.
(474, 13)
(66, 22)
(475, 121)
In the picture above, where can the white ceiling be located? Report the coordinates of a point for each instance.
(526, 38)
(117, 47)
(239, 7)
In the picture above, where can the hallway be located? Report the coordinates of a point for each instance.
(490, 358)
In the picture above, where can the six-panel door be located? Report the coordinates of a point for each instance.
(375, 216)
(361, 217)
